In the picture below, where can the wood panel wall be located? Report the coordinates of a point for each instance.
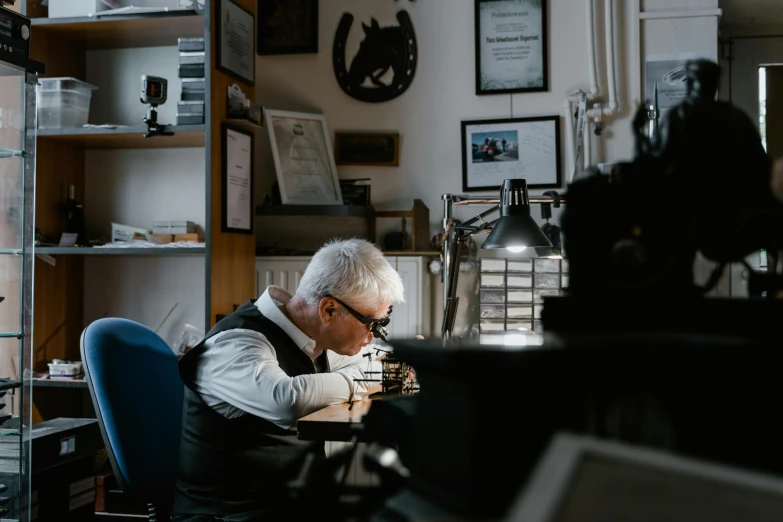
(58, 306)
(231, 278)
(58, 298)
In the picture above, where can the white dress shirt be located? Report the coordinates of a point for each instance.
(239, 372)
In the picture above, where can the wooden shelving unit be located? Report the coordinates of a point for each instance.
(314, 210)
(113, 32)
(229, 259)
(154, 251)
(125, 137)
(245, 124)
(59, 383)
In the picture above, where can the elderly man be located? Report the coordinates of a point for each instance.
(266, 365)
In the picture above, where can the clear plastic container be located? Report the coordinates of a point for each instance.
(63, 102)
(65, 369)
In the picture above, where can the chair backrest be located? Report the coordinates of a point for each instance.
(138, 397)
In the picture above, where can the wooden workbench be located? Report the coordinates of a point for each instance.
(334, 423)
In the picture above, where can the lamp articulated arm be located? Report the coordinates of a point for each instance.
(513, 229)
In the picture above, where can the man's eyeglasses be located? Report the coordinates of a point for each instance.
(377, 324)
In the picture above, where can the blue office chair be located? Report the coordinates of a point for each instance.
(138, 396)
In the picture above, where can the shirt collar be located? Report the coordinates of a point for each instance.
(270, 304)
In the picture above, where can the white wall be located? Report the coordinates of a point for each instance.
(137, 187)
(117, 73)
(428, 114)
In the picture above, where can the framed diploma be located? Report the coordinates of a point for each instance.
(303, 156)
(511, 46)
(237, 180)
(236, 46)
(494, 150)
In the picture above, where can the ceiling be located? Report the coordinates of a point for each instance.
(751, 13)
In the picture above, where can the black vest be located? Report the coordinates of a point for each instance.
(241, 465)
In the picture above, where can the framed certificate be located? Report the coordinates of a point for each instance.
(304, 161)
(237, 180)
(236, 46)
(511, 46)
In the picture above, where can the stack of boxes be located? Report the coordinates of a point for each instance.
(190, 108)
(512, 292)
(168, 231)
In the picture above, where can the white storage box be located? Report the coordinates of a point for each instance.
(120, 232)
(60, 368)
(65, 8)
(173, 227)
(63, 102)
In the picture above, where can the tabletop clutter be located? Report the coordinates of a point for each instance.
(163, 233)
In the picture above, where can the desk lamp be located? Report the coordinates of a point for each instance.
(514, 230)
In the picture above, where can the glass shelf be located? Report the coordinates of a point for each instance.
(18, 83)
(10, 153)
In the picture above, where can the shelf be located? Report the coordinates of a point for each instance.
(411, 253)
(125, 137)
(244, 124)
(8, 384)
(313, 210)
(151, 251)
(112, 32)
(10, 153)
(59, 383)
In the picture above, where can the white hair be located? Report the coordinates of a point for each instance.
(354, 271)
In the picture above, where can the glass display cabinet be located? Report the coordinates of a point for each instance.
(18, 87)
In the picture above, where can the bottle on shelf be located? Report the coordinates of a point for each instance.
(74, 216)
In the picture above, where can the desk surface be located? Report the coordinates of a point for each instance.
(334, 423)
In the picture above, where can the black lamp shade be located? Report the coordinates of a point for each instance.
(515, 227)
(556, 250)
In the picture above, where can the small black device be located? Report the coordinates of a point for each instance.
(14, 33)
(154, 91)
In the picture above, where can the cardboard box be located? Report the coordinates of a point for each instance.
(69, 8)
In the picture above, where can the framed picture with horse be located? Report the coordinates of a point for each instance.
(287, 27)
(384, 65)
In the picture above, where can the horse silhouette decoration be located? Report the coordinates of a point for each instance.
(382, 49)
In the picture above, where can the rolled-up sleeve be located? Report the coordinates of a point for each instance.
(241, 368)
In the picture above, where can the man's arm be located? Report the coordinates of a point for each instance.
(240, 367)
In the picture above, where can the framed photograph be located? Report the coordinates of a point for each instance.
(495, 150)
(304, 161)
(236, 29)
(287, 26)
(380, 150)
(511, 46)
(237, 179)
